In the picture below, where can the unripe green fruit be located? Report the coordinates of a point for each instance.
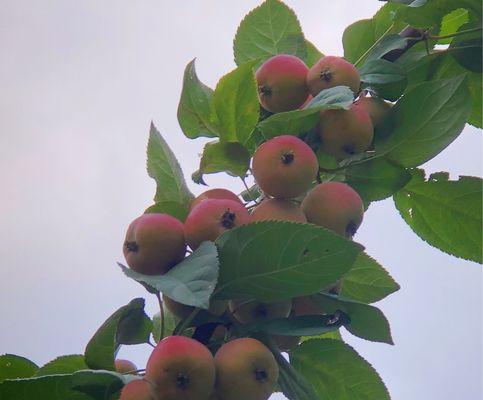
(248, 312)
(215, 194)
(137, 390)
(125, 366)
(281, 83)
(154, 243)
(336, 206)
(331, 71)
(278, 210)
(345, 132)
(284, 167)
(211, 218)
(182, 311)
(245, 370)
(181, 369)
(376, 108)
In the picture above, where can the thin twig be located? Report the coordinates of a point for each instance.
(161, 313)
(374, 45)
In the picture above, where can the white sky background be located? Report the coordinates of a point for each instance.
(80, 82)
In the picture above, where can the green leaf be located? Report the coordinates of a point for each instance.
(446, 214)
(99, 385)
(178, 210)
(367, 281)
(235, 104)
(306, 325)
(63, 365)
(51, 387)
(14, 367)
(268, 30)
(336, 371)
(451, 23)
(387, 44)
(431, 14)
(231, 157)
(313, 54)
(164, 168)
(447, 67)
(194, 109)
(293, 384)
(361, 35)
(280, 260)
(102, 348)
(467, 49)
(385, 78)
(366, 322)
(424, 121)
(251, 193)
(301, 121)
(377, 179)
(191, 282)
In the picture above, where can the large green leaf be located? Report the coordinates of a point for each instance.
(377, 179)
(367, 281)
(124, 323)
(231, 157)
(313, 54)
(51, 387)
(281, 260)
(63, 365)
(362, 35)
(307, 325)
(194, 109)
(336, 371)
(385, 78)
(99, 385)
(447, 67)
(268, 30)
(301, 121)
(366, 322)
(424, 122)
(451, 23)
(431, 14)
(236, 109)
(14, 367)
(190, 282)
(446, 214)
(164, 168)
(467, 49)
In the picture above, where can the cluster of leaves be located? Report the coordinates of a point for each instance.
(436, 92)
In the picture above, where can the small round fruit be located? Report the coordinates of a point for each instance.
(278, 210)
(182, 311)
(181, 369)
(282, 83)
(345, 132)
(215, 194)
(154, 243)
(246, 369)
(137, 390)
(336, 206)
(211, 218)
(284, 167)
(253, 311)
(125, 366)
(376, 108)
(331, 71)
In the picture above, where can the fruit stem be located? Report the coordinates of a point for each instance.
(450, 35)
(248, 190)
(359, 60)
(186, 322)
(161, 314)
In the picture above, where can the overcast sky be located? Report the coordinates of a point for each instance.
(80, 82)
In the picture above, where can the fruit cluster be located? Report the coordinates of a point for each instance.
(286, 170)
